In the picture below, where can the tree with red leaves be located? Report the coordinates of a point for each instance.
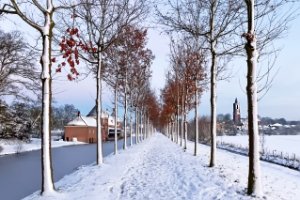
(184, 82)
(100, 22)
(127, 53)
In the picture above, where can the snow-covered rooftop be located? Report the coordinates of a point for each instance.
(277, 125)
(104, 115)
(83, 121)
(90, 121)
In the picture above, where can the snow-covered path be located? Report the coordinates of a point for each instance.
(166, 172)
(159, 169)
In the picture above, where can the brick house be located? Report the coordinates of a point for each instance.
(83, 128)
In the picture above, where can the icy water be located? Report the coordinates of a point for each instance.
(20, 174)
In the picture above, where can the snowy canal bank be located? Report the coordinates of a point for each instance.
(20, 174)
(159, 169)
(16, 146)
(283, 150)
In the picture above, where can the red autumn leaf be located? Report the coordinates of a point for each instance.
(70, 78)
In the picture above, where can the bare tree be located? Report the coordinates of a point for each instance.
(264, 24)
(40, 16)
(112, 75)
(216, 21)
(44, 25)
(17, 65)
(254, 177)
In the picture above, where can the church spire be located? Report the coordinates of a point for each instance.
(236, 112)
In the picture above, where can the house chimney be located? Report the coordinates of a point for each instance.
(78, 114)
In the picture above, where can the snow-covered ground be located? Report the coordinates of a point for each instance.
(16, 146)
(159, 169)
(281, 143)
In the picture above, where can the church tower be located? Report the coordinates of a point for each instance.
(236, 112)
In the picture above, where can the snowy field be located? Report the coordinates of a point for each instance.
(16, 146)
(159, 169)
(280, 143)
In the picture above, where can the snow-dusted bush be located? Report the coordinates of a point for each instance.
(15, 121)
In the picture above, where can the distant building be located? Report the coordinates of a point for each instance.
(83, 128)
(236, 112)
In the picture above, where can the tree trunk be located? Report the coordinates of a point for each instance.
(149, 128)
(130, 113)
(116, 120)
(168, 130)
(182, 122)
(196, 122)
(125, 113)
(213, 119)
(47, 172)
(141, 125)
(99, 110)
(213, 87)
(174, 130)
(136, 126)
(254, 177)
(177, 126)
(147, 123)
(146, 127)
(185, 132)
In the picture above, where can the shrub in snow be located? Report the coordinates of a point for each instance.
(15, 122)
(1, 149)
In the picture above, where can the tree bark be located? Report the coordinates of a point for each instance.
(116, 120)
(254, 177)
(185, 133)
(196, 122)
(182, 122)
(213, 110)
(131, 139)
(213, 85)
(99, 110)
(141, 125)
(47, 172)
(136, 126)
(125, 113)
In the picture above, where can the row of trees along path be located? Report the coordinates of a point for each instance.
(218, 30)
(103, 34)
(95, 29)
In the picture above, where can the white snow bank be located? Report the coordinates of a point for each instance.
(159, 169)
(16, 146)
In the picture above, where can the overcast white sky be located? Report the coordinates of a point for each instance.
(282, 100)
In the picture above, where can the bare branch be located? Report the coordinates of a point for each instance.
(23, 16)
